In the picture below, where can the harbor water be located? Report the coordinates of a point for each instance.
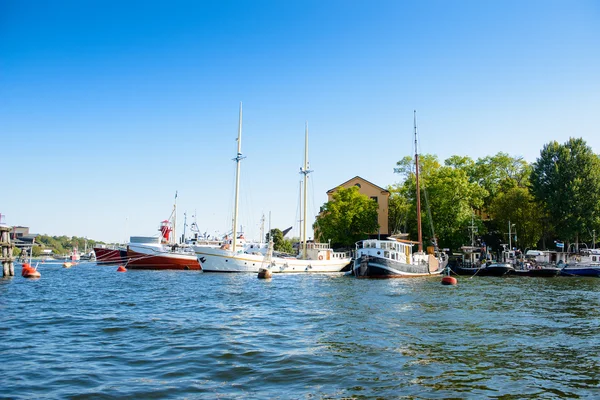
(90, 332)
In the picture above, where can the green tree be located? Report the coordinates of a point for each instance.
(517, 206)
(447, 199)
(280, 243)
(349, 217)
(565, 180)
(36, 251)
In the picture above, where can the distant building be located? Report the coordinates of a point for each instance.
(19, 232)
(376, 193)
(22, 238)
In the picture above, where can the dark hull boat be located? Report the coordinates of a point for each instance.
(496, 269)
(543, 272)
(581, 270)
(464, 270)
(372, 266)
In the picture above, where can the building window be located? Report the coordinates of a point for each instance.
(375, 198)
(357, 185)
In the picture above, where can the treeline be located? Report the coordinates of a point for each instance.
(556, 198)
(62, 245)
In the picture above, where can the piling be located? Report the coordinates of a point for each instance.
(8, 267)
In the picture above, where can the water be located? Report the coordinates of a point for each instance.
(90, 332)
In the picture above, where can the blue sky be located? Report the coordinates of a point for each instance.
(109, 107)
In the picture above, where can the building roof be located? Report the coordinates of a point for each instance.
(363, 179)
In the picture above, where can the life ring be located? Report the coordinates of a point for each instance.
(320, 257)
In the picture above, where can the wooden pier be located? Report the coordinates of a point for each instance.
(8, 267)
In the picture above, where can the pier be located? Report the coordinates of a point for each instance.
(8, 267)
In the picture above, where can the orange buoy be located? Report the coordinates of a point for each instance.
(121, 269)
(29, 272)
(449, 280)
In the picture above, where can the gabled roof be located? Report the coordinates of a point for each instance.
(362, 179)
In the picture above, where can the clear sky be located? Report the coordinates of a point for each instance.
(107, 108)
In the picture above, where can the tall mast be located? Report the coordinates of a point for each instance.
(238, 158)
(419, 233)
(305, 171)
(174, 235)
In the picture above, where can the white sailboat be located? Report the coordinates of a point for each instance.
(235, 256)
(392, 258)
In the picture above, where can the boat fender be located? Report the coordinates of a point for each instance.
(320, 257)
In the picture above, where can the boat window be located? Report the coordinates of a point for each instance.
(594, 258)
(386, 254)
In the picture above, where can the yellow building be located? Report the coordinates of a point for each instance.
(379, 194)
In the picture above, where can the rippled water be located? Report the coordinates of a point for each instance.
(90, 332)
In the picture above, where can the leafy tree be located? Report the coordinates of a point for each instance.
(349, 217)
(565, 180)
(280, 243)
(398, 208)
(517, 206)
(16, 252)
(447, 199)
(36, 251)
(497, 173)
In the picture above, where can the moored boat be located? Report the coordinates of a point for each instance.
(539, 271)
(392, 258)
(107, 255)
(587, 269)
(234, 255)
(162, 252)
(151, 253)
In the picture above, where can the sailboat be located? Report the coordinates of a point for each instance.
(162, 252)
(392, 258)
(234, 256)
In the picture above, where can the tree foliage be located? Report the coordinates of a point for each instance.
(447, 199)
(565, 180)
(349, 217)
(64, 244)
(280, 243)
(517, 206)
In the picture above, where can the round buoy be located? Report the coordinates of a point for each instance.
(67, 265)
(121, 269)
(264, 273)
(449, 280)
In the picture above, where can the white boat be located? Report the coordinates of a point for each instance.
(392, 258)
(236, 256)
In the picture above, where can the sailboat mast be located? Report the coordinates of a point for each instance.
(305, 172)
(238, 158)
(174, 235)
(419, 233)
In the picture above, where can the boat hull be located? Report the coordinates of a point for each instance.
(547, 272)
(465, 270)
(215, 259)
(383, 268)
(149, 259)
(110, 256)
(496, 270)
(593, 271)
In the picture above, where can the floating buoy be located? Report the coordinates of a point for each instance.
(449, 280)
(264, 273)
(121, 269)
(67, 265)
(29, 272)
